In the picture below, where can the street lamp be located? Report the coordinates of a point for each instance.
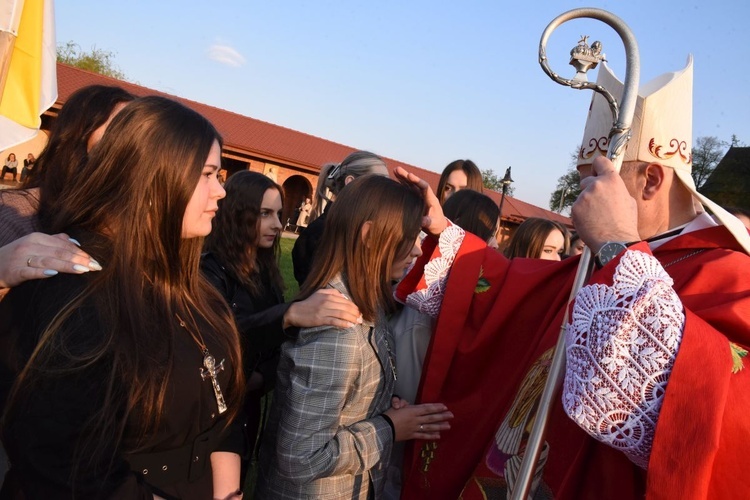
(506, 181)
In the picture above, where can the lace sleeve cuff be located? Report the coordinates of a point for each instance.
(428, 299)
(621, 346)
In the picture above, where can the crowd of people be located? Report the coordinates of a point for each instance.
(148, 350)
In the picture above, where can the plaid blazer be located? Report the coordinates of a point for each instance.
(325, 437)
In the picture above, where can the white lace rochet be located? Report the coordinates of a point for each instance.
(621, 345)
(428, 300)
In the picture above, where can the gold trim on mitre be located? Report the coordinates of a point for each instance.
(676, 146)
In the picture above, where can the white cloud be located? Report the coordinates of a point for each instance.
(226, 55)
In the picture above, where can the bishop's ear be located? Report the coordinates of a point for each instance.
(653, 180)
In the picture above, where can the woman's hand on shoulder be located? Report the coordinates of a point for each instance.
(39, 255)
(422, 421)
(326, 307)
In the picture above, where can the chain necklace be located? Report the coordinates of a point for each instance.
(209, 369)
(684, 257)
(391, 359)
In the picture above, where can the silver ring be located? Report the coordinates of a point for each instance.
(28, 262)
(421, 427)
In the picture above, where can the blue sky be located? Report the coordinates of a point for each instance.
(424, 82)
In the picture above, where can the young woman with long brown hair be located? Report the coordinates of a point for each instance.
(538, 238)
(332, 423)
(475, 213)
(241, 261)
(126, 380)
(457, 176)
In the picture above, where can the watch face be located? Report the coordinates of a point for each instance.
(609, 251)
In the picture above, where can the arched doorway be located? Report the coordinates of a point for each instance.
(232, 165)
(296, 188)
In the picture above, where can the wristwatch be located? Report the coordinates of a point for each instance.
(609, 251)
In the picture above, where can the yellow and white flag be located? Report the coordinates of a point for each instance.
(27, 31)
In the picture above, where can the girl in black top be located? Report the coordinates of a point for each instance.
(123, 383)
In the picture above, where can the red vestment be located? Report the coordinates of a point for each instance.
(500, 317)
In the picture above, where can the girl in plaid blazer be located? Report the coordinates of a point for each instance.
(334, 417)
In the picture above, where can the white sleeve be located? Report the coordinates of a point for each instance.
(428, 300)
(620, 346)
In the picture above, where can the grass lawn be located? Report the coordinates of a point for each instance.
(287, 271)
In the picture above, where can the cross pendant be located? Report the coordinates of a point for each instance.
(210, 371)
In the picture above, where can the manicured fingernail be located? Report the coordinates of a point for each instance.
(81, 269)
(95, 266)
(74, 241)
(50, 272)
(360, 320)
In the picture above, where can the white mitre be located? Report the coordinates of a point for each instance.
(661, 132)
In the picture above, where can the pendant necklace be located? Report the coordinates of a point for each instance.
(209, 369)
(390, 356)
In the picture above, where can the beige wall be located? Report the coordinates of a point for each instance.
(34, 146)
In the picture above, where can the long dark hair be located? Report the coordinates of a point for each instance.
(528, 240)
(394, 212)
(475, 212)
(130, 198)
(234, 237)
(86, 110)
(473, 177)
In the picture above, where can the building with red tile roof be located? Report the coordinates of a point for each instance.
(291, 157)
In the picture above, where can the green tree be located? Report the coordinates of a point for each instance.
(707, 153)
(97, 61)
(568, 187)
(490, 180)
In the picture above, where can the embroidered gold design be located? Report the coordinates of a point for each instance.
(428, 454)
(676, 147)
(737, 354)
(601, 144)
